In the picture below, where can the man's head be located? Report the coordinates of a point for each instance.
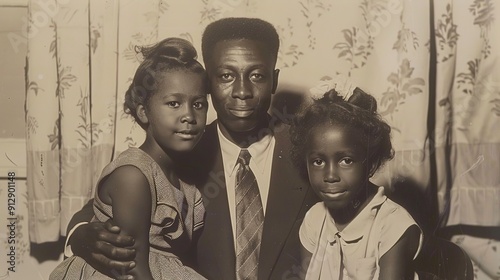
(240, 56)
(253, 29)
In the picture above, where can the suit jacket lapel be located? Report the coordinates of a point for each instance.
(216, 245)
(287, 191)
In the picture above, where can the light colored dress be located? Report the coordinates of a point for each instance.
(354, 252)
(176, 214)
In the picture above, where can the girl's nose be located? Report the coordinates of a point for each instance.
(331, 175)
(188, 117)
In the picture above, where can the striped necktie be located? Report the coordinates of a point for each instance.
(249, 219)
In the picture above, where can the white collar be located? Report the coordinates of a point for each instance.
(257, 150)
(354, 231)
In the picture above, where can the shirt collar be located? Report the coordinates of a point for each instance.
(355, 230)
(258, 150)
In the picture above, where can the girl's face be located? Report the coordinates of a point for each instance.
(177, 112)
(336, 164)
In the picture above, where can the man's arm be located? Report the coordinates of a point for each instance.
(82, 216)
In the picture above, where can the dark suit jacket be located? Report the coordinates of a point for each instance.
(289, 199)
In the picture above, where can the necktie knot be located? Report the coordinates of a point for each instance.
(244, 157)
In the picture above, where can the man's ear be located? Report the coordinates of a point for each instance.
(276, 74)
(141, 114)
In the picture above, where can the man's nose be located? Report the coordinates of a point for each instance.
(242, 89)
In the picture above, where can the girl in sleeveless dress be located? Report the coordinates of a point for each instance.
(141, 190)
(356, 232)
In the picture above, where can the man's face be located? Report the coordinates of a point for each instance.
(242, 79)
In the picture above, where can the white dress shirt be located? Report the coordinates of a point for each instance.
(260, 164)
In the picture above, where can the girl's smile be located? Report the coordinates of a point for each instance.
(332, 194)
(187, 134)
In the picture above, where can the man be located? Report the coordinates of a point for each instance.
(250, 234)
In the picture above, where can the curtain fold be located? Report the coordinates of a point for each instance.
(467, 111)
(70, 109)
(81, 59)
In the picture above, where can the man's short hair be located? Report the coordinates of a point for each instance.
(239, 28)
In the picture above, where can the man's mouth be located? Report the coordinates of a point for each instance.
(241, 113)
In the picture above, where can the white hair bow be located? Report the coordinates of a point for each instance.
(340, 83)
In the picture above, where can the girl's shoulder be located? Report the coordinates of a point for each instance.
(131, 157)
(315, 216)
(132, 163)
(386, 207)
(389, 215)
(317, 211)
(393, 222)
(393, 210)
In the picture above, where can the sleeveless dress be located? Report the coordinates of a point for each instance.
(354, 252)
(176, 214)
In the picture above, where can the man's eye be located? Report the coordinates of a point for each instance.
(257, 77)
(318, 162)
(226, 77)
(173, 104)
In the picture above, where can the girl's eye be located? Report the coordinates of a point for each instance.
(199, 105)
(346, 162)
(173, 104)
(318, 162)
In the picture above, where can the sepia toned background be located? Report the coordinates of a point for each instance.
(432, 65)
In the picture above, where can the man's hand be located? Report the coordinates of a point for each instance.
(103, 247)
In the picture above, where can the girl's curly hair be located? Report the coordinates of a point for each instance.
(169, 54)
(359, 112)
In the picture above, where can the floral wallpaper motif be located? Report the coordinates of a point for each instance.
(54, 137)
(446, 35)
(311, 10)
(359, 40)
(466, 80)
(402, 85)
(470, 82)
(289, 53)
(483, 11)
(406, 37)
(86, 128)
(352, 49)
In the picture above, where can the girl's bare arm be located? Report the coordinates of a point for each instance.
(397, 263)
(305, 257)
(127, 190)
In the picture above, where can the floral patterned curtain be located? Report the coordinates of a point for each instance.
(468, 109)
(71, 108)
(432, 65)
